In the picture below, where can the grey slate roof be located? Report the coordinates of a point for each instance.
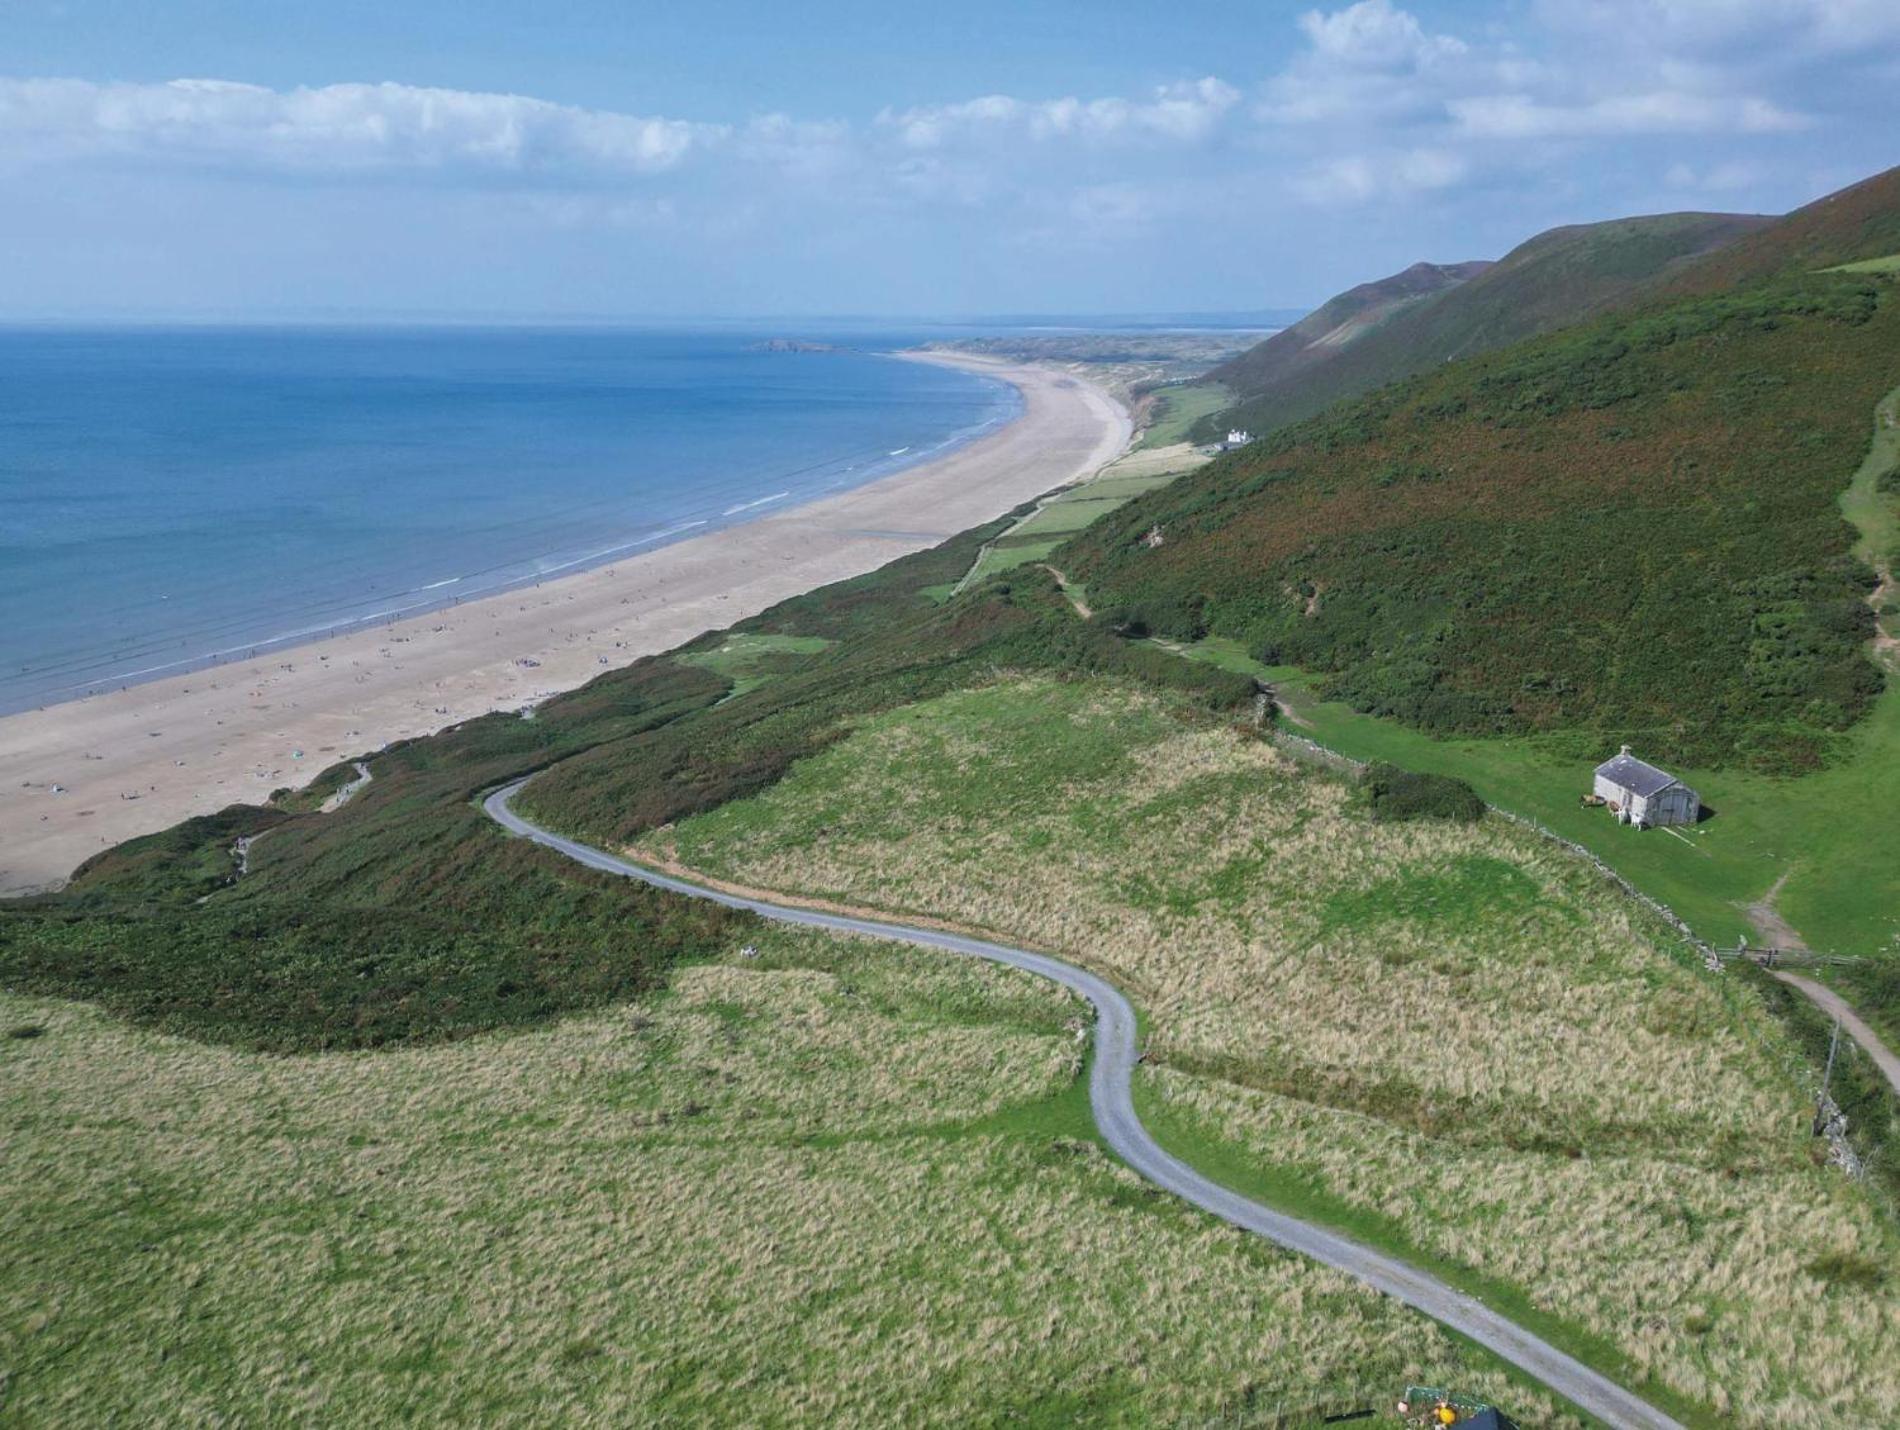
(1627, 772)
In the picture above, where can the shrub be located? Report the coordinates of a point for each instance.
(1642, 511)
(1398, 795)
(1842, 1268)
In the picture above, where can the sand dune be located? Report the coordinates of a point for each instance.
(133, 761)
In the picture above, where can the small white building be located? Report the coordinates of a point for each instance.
(1640, 794)
(1238, 437)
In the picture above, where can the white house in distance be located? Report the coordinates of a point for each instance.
(1642, 795)
(1237, 437)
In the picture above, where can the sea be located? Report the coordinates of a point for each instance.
(174, 497)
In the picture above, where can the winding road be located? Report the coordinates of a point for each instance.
(1112, 1101)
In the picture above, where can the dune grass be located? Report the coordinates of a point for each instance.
(1457, 1033)
(831, 1183)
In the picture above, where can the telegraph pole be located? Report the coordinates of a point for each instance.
(1827, 1079)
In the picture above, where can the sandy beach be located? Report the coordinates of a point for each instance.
(78, 777)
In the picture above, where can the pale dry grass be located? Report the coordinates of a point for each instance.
(1471, 1034)
(835, 1184)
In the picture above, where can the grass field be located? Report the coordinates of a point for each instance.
(832, 1184)
(1889, 264)
(1178, 408)
(1451, 1038)
(1053, 521)
(750, 658)
(1815, 829)
(1829, 833)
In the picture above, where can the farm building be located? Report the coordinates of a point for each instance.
(1640, 794)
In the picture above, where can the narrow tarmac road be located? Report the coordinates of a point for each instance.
(1112, 1101)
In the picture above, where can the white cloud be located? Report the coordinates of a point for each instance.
(1712, 26)
(342, 128)
(1518, 116)
(1363, 178)
(1178, 113)
(1369, 63)
(1375, 34)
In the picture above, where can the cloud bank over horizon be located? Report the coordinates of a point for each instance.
(1378, 133)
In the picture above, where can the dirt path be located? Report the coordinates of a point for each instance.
(348, 792)
(1779, 933)
(1829, 1001)
(1081, 606)
(1775, 931)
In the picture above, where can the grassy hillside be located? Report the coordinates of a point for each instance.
(876, 1167)
(1177, 408)
(1858, 224)
(1629, 530)
(1328, 330)
(401, 918)
(1553, 280)
(833, 1183)
(1443, 1037)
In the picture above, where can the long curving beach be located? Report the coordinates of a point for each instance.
(78, 777)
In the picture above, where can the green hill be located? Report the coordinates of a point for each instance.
(1553, 280)
(1323, 334)
(1628, 529)
(1860, 223)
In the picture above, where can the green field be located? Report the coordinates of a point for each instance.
(1889, 264)
(749, 658)
(1001, 557)
(1840, 888)
(1438, 1036)
(1178, 408)
(834, 1183)
(1068, 513)
(1032, 538)
(1829, 833)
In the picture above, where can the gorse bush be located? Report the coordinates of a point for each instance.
(1396, 795)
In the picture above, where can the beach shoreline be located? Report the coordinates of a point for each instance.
(82, 775)
(527, 572)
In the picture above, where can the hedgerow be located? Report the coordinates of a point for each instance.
(1397, 795)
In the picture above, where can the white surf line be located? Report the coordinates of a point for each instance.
(1111, 1100)
(751, 505)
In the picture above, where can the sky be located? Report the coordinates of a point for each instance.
(600, 159)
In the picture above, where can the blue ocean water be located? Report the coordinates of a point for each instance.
(169, 497)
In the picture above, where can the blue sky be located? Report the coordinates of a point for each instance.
(461, 157)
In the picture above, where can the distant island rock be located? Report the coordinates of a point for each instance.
(794, 345)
